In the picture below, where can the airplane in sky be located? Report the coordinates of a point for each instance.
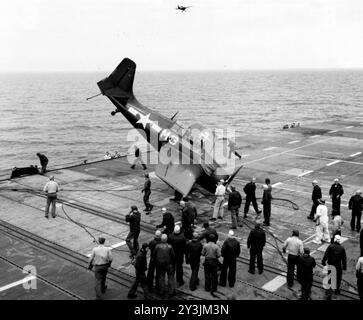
(182, 8)
(186, 156)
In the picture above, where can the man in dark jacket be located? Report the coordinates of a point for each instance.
(208, 230)
(306, 265)
(192, 257)
(43, 162)
(140, 268)
(187, 220)
(336, 191)
(230, 252)
(164, 257)
(315, 197)
(147, 191)
(356, 204)
(250, 191)
(266, 202)
(133, 218)
(335, 256)
(191, 206)
(255, 242)
(179, 244)
(167, 223)
(151, 270)
(234, 203)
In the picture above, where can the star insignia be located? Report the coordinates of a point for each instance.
(144, 120)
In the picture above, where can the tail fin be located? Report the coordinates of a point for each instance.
(120, 82)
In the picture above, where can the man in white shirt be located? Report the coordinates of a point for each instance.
(218, 205)
(322, 223)
(359, 271)
(51, 188)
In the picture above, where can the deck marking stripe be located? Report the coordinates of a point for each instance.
(315, 135)
(116, 245)
(305, 173)
(349, 127)
(16, 283)
(331, 163)
(270, 148)
(355, 154)
(294, 141)
(332, 131)
(275, 283)
(276, 184)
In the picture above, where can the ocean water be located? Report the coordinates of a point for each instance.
(48, 112)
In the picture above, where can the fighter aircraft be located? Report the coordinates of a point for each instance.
(182, 8)
(186, 156)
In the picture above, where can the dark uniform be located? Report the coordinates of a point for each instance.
(230, 252)
(336, 191)
(179, 244)
(168, 223)
(335, 256)
(152, 265)
(43, 162)
(234, 203)
(207, 232)
(147, 192)
(266, 202)
(316, 195)
(133, 218)
(255, 242)
(140, 268)
(193, 253)
(306, 265)
(188, 216)
(355, 204)
(250, 191)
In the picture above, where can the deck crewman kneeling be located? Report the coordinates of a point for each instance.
(43, 162)
(51, 188)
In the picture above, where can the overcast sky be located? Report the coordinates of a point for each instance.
(90, 35)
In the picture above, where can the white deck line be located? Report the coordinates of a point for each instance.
(116, 245)
(333, 131)
(305, 173)
(275, 283)
(294, 141)
(355, 154)
(270, 148)
(349, 127)
(16, 283)
(315, 136)
(331, 163)
(276, 184)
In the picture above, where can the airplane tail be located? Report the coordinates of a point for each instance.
(119, 84)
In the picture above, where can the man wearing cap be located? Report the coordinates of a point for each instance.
(211, 252)
(133, 218)
(218, 204)
(151, 270)
(294, 247)
(230, 252)
(250, 191)
(306, 265)
(101, 259)
(336, 191)
(234, 203)
(315, 197)
(255, 242)
(164, 257)
(147, 191)
(179, 244)
(140, 268)
(51, 188)
(192, 257)
(208, 230)
(167, 223)
(187, 220)
(335, 256)
(356, 205)
(322, 223)
(43, 162)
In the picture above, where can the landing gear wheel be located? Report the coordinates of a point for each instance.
(113, 113)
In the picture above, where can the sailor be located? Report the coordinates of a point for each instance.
(234, 203)
(315, 197)
(361, 242)
(140, 268)
(167, 223)
(218, 205)
(43, 162)
(359, 274)
(322, 223)
(192, 257)
(255, 242)
(101, 259)
(337, 223)
(138, 158)
(336, 191)
(250, 191)
(147, 191)
(208, 230)
(335, 256)
(230, 252)
(51, 188)
(306, 265)
(295, 248)
(232, 149)
(152, 266)
(356, 205)
(211, 252)
(133, 218)
(191, 205)
(187, 220)
(179, 244)
(164, 257)
(266, 202)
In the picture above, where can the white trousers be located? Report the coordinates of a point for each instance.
(218, 208)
